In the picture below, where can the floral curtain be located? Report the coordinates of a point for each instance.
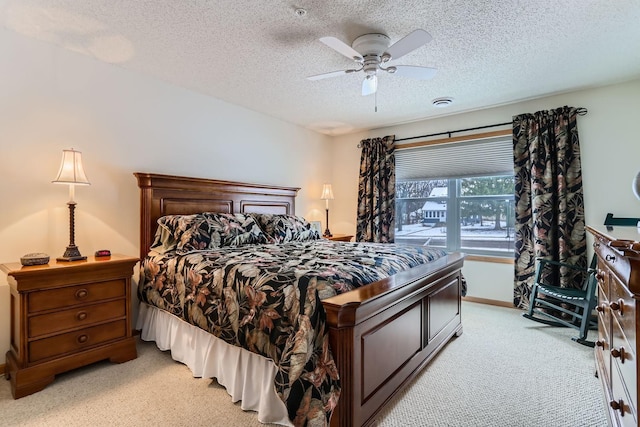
(548, 196)
(376, 190)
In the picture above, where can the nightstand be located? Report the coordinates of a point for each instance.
(65, 315)
(340, 237)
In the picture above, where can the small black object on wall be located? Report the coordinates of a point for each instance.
(610, 221)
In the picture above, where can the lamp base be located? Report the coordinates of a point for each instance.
(71, 254)
(327, 233)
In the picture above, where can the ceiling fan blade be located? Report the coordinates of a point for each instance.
(331, 74)
(341, 47)
(415, 72)
(369, 85)
(410, 42)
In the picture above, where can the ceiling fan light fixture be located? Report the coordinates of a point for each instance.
(369, 84)
(442, 102)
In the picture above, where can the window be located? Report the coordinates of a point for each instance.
(469, 207)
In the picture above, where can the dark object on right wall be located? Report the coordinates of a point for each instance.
(610, 221)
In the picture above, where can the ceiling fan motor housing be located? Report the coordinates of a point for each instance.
(371, 46)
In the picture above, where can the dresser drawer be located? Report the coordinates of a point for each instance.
(623, 359)
(603, 347)
(625, 414)
(76, 340)
(603, 309)
(74, 295)
(603, 277)
(613, 259)
(623, 309)
(76, 317)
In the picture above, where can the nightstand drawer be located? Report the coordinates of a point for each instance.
(75, 341)
(74, 295)
(75, 317)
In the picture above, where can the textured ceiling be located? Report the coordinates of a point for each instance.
(257, 53)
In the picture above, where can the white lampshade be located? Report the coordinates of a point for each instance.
(71, 170)
(327, 192)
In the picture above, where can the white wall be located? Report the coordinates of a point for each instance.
(610, 149)
(122, 122)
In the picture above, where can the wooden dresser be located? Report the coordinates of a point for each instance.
(65, 315)
(616, 350)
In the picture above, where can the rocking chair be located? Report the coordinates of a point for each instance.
(570, 307)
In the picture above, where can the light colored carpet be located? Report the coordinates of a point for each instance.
(503, 371)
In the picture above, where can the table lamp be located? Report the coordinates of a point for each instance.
(327, 194)
(72, 173)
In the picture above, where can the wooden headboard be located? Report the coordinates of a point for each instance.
(176, 195)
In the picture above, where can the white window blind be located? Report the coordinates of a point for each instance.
(471, 158)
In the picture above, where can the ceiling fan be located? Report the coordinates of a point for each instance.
(371, 51)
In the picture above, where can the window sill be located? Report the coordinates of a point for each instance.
(485, 258)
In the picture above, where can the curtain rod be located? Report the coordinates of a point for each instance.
(581, 111)
(453, 131)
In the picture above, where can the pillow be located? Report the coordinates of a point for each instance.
(281, 228)
(163, 241)
(234, 229)
(182, 233)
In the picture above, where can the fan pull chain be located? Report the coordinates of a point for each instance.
(375, 110)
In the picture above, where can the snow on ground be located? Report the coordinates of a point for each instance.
(467, 231)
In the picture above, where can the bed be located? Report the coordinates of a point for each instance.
(380, 335)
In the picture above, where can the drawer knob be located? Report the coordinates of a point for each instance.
(600, 275)
(618, 306)
(610, 258)
(82, 339)
(618, 354)
(600, 343)
(601, 308)
(618, 405)
(596, 245)
(81, 293)
(81, 315)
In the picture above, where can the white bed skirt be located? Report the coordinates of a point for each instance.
(247, 377)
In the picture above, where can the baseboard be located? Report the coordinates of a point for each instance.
(2, 370)
(489, 301)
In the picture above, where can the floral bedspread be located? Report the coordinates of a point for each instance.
(266, 299)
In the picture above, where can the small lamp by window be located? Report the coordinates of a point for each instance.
(327, 194)
(71, 173)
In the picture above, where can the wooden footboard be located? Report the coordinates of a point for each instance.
(382, 336)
